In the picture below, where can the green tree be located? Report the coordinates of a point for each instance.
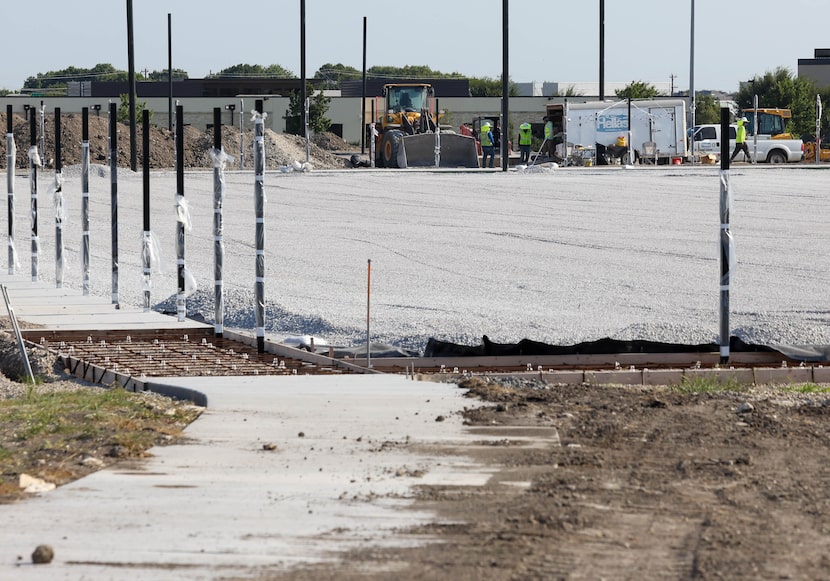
(317, 108)
(333, 75)
(246, 70)
(489, 87)
(124, 110)
(178, 75)
(571, 91)
(408, 72)
(637, 90)
(707, 109)
(59, 78)
(779, 88)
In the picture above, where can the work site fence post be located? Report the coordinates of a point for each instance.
(146, 249)
(85, 197)
(726, 242)
(113, 143)
(219, 159)
(60, 214)
(368, 313)
(259, 206)
(34, 163)
(11, 165)
(183, 216)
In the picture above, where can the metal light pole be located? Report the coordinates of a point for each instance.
(692, 83)
(131, 83)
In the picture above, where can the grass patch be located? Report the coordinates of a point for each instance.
(806, 388)
(47, 434)
(708, 384)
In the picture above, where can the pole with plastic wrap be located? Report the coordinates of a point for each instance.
(11, 164)
(368, 313)
(34, 163)
(437, 136)
(726, 242)
(307, 132)
(259, 204)
(818, 128)
(219, 159)
(113, 155)
(182, 217)
(60, 213)
(146, 247)
(242, 134)
(85, 197)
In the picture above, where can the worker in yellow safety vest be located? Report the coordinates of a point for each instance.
(488, 148)
(525, 137)
(549, 136)
(740, 140)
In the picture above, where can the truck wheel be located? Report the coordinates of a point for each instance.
(389, 148)
(776, 157)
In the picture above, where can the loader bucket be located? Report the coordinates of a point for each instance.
(456, 151)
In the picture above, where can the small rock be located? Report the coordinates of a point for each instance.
(301, 435)
(440, 419)
(33, 485)
(92, 462)
(42, 555)
(745, 408)
(269, 446)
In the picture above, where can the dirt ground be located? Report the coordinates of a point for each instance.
(629, 483)
(280, 149)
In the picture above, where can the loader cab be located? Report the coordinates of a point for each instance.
(407, 98)
(771, 122)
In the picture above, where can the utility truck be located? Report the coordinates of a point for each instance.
(625, 131)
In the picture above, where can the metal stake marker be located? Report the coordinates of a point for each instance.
(34, 162)
(259, 205)
(181, 305)
(85, 197)
(59, 209)
(11, 165)
(113, 139)
(218, 246)
(146, 249)
(726, 247)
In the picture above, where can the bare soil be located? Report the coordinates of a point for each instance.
(628, 483)
(280, 149)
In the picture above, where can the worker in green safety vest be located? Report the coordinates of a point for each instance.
(525, 137)
(488, 148)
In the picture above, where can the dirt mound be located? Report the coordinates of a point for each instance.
(280, 149)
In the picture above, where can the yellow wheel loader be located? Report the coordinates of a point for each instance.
(408, 134)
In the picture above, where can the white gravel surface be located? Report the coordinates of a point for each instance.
(559, 256)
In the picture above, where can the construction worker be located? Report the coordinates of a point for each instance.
(740, 140)
(549, 136)
(487, 145)
(525, 137)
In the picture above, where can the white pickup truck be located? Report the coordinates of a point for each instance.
(707, 141)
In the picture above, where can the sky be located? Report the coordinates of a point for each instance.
(645, 40)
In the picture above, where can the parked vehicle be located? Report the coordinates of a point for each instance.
(708, 142)
(654, 128)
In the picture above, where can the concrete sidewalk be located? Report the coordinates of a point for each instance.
(220, 504)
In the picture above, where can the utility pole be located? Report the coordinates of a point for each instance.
(672, 77)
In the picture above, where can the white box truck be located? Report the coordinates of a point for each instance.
(595, 131)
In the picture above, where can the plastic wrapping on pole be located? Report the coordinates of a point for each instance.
(183, 223)
(113, 159)
(437, 146)
(219, 160)
(34, 163)
(727, 259)
(372, 141)
(259, 206)
(85, 214)
(146, 262)
(60, 219)
(11, 156)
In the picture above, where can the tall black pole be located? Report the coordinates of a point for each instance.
(259, 206)
(505, 89)
(59, 212)
(725, 236)
(113, 131)
(169, 71)
(85, 197)
(602, 50)
(131, 85)
(218, 244)
(34, 162)
(181, 306)
(147, 248)
(363, 96)
(11, 165)
(302, 66)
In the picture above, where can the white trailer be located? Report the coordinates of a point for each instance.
(595, 129)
